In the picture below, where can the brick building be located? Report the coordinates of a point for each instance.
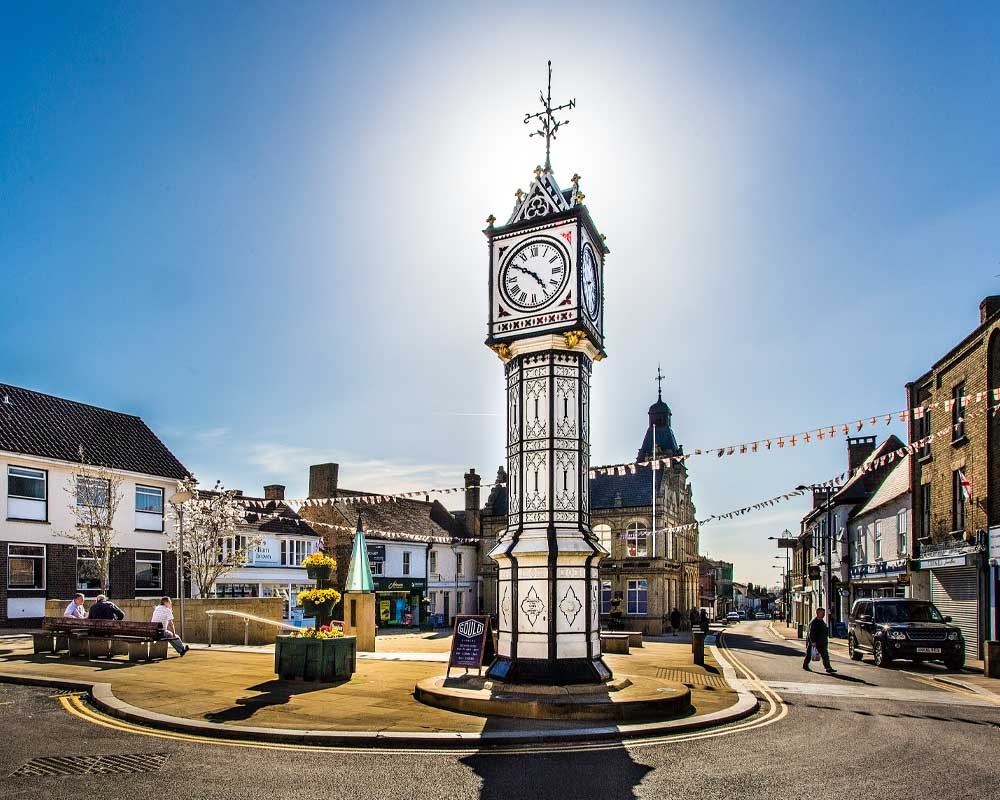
(650, 572)
(40, 441)
(951, 521)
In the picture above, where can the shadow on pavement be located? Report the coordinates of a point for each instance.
(273, 693)
(96, 663)
(610, 775)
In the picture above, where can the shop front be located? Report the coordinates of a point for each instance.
(955, 588)
(880, 579)
(398, 601)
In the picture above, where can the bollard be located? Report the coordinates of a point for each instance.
(801, 626)
(698, 647)
(991, 658)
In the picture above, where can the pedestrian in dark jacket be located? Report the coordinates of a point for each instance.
(818, 637)
(694, 618)
(675, 620)
(105, 609)
(704, 621)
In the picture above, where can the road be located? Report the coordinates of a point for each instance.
(865, 732)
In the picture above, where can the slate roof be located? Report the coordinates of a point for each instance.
(278, 518)
(895, 485)
(41, 425)
(417, 517)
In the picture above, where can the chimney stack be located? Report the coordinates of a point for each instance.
(323, 480)
(472, 505)
(274, 491)
(989, 307)
(858, 449)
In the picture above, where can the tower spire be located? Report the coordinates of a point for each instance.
(659, 384)
(548, 126)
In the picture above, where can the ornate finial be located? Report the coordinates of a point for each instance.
(490, 220)
(548, 125)
(519, 195)
(659, 384)
(576, 179)
(580, 196)
(604, 238)
(538, 171)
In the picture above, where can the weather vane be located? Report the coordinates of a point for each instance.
(659, 383)
(549, 126)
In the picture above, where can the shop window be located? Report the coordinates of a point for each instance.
(88, 577)
(637, 540)
(27, 493)
(637, 597)
(26, 566)
(148, 569)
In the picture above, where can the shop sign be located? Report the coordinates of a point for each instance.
(265, 554)
(471, 643)
(376, 552)
(788, 544)
(878, 568)
(946, 561)
(994, 542)
(399, 584)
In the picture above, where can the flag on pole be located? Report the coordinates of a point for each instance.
(966, 485)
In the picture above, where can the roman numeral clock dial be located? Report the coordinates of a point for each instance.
(534, 274)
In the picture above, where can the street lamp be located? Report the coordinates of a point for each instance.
(786, 535)
(828, 588)
(177, 500)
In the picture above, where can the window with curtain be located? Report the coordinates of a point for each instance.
(637, 540)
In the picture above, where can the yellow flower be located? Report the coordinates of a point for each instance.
(319, 559)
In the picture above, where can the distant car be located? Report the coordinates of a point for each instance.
(895, 627)
(732, 616)
(743, 614)
(751, 615)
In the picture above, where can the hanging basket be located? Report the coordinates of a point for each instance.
(311, 609)
(320, 573)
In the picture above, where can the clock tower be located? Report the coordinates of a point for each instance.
(546, 323)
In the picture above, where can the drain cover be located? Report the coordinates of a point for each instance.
(120, 764)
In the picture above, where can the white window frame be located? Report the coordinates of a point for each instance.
(604, 535)
(878, 540)
(43, 558)
(85, 480)
(638, 588)
(407, 562)
(44, 474)
(606, 588)
(78, 582)
(902, 533)
(378, 568)
(432, 562)
(149, 491)
(158, 560)
(459, 565)
(637, 533)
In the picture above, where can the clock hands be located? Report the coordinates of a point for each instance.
(532, 274)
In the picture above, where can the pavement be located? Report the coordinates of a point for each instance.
(232, 691)
(971, 678)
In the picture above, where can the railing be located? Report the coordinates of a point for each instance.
(248, 618)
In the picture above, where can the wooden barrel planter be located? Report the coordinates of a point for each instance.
(304, 658)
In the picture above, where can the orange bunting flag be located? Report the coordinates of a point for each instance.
(721, 451)
(743, 449)
(792, 441)
(730, 451)
(767, 443)
(805, 437)
(753, 447)
(859, 424)
(904, 416)
(831, 433)
(845, 429)
(996, 395)
(888, 419)
(871, 421)
(820, 434)
(781, 441)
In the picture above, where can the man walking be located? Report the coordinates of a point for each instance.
(818, 637)
(675, 620)
(75, 609)
(105, 609)
(163, 614)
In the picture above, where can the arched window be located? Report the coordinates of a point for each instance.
(603, 534)
(637, 540)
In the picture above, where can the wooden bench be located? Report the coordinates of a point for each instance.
(101, 638)
(614, 643)
(634, 638)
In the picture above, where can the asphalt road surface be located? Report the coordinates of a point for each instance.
(865, 732)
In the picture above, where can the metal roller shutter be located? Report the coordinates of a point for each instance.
(955, 592)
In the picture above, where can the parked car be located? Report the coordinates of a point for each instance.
(894, 627)
(742, 613)
(732, 616)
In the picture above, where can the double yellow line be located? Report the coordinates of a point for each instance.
(777, 709)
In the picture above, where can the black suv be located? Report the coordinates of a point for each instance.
(893, 627)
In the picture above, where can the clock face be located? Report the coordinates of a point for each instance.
(591, 286)
(534, 274)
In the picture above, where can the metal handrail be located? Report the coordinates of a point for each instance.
(248, 618)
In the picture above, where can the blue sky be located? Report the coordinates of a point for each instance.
(258, 225)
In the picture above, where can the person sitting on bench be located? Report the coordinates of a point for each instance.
(165, 616)
(75, 609)
(105, 609)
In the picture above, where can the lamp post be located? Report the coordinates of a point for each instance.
(786, 536)
(784, 585)
(454, 551)
(177, 500)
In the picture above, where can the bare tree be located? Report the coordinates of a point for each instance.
(95, 495)
(213, 543)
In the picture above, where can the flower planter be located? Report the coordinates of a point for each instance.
(321, 573)
(317, 610)
(310, 659)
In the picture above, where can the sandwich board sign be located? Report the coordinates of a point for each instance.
(471, 642)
